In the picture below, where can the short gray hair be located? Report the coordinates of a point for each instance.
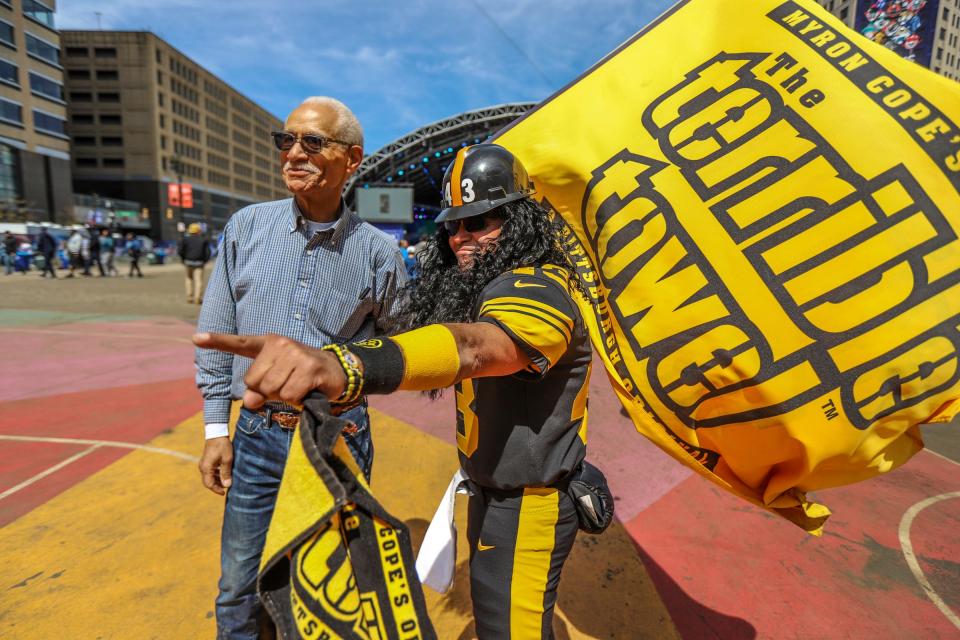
(348, 127)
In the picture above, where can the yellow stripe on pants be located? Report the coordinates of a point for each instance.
(539, 511)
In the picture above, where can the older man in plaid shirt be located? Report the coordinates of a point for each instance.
(306, 268)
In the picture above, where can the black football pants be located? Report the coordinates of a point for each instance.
(518, 543)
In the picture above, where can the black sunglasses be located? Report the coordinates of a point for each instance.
(471, 224)
(309, 142)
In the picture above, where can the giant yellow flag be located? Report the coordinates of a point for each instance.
(765, 206)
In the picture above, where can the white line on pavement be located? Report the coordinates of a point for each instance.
(905, 523)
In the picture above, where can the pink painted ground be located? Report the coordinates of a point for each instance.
(81, 356)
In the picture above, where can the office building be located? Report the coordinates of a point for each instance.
(143, 115)
(34, 148)
(925, 31)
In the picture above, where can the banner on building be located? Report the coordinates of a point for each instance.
(335, 563)
(907, 27)
(765, 207)
(180, 194)
(186, 195)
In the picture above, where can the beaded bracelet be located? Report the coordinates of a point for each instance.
(354, 389)
(354, 378)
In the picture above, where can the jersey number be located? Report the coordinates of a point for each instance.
(466, 419)
(466, 188)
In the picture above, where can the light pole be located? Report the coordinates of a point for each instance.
(111, 217)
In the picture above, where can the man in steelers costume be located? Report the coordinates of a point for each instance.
(492, 313)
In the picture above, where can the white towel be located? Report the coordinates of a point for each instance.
(438, 553)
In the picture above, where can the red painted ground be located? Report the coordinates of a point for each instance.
(763, 576)
(53, 485)
(132, 413)
(125, 381)
(21, 460)
(938, 553)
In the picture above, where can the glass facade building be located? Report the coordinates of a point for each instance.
(35, 178)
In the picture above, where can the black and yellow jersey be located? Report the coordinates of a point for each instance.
(528, 429)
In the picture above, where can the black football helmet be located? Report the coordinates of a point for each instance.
(480, 178)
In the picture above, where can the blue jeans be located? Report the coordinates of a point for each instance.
(259, 454)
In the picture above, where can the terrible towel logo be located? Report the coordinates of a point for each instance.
(851, 260)
(324, 579)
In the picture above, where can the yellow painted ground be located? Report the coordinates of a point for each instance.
(132, 552)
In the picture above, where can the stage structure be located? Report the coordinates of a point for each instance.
(418, 159)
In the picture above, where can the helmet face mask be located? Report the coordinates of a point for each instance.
(481, 178)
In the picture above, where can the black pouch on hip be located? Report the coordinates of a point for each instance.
(592, 498)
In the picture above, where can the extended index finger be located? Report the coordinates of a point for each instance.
(248, 346)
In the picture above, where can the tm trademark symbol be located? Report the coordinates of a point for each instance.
(829, 410)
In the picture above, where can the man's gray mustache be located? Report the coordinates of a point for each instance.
(300, 167)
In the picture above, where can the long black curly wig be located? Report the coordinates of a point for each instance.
(529, 237)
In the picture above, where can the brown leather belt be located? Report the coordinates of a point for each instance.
(285, 419)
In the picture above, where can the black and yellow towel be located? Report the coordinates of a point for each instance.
(335, 563)
(766, 207)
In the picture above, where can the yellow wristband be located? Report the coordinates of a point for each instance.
(418, 360)
(430, 358)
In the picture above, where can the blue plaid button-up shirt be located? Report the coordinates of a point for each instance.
(339, 285)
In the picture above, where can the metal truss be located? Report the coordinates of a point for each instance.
(449, 132)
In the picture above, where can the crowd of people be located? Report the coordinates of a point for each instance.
(91, 251)
(83, 251)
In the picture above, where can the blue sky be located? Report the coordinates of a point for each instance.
(398, 65)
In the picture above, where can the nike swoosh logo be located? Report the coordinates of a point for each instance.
(520, 285)
(484, 547)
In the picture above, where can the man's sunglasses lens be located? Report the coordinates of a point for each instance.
(310, 144)
(283, 141)
(472, 225)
